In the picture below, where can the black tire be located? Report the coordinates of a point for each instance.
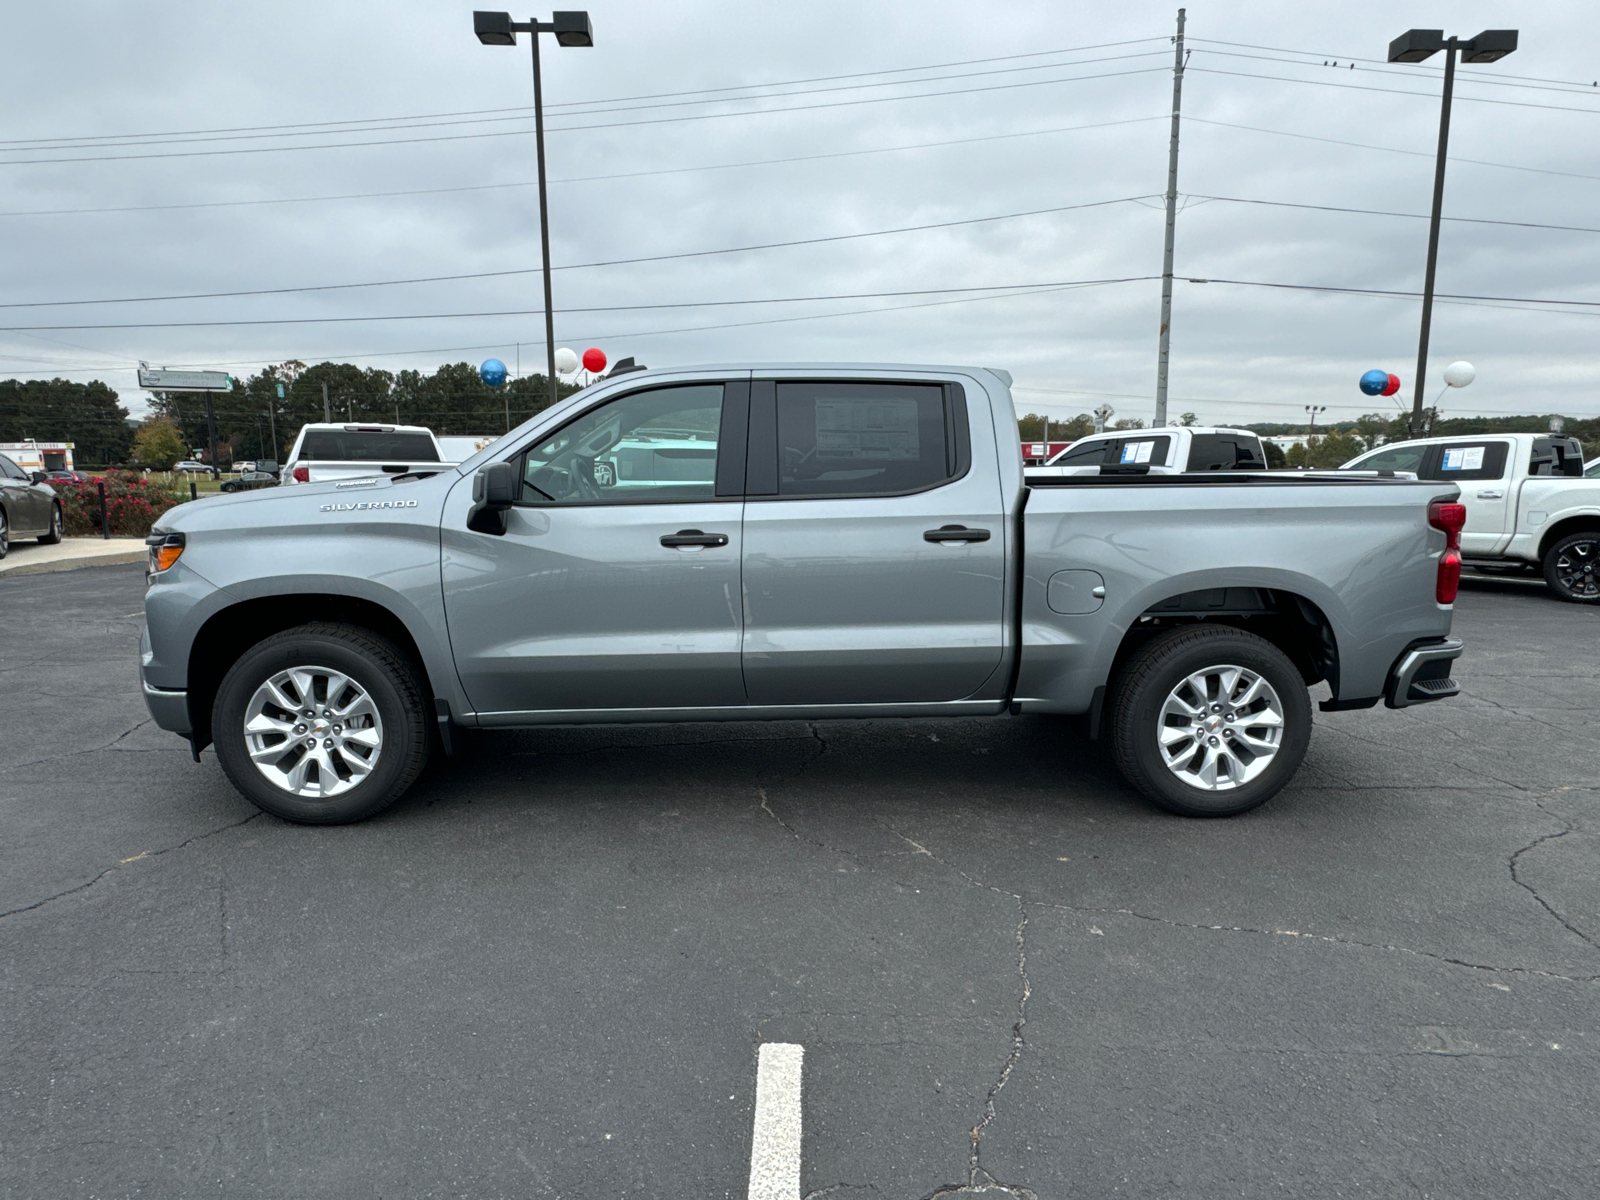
(5, 534)
(1572, 567)
(377, 667)
(1156, 671)
(57, 527)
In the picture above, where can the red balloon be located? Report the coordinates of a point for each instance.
(594, 361)
(1391, 387)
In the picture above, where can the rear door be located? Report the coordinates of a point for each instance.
(27, 507)
(616, 583)
(1482, 467)
(859, 586)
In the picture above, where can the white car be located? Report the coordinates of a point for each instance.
(1169, 450)
(334, 452)
(189, 465)
(1531, 504)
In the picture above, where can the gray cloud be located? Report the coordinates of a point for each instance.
(1239, 354)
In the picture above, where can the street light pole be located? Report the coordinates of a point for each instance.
(1414, 46)
(571, 29)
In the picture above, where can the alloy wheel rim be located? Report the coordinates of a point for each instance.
(1578, 568)
(313, 732)
(1220, 728)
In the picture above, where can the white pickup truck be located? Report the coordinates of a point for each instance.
(328, 453)
(1530, 506)
(1169, 450)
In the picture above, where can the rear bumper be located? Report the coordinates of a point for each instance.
(1422, 674)
(169, 709)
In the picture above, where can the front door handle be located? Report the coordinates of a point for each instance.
(1491, 495)
(955, 533)
(694, 537)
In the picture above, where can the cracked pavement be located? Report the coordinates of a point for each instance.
(546, 972)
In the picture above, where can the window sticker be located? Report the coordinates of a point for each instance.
(879, 430)
(1137, 452)
(1463, 458)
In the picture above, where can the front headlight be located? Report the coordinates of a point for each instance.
(165, 549)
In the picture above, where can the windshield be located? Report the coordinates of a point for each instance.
(345, 445)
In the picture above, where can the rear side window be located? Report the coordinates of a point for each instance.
(1556, 456)
(1222, 452)
(345, 445)
(1465, 460)
(861, 439)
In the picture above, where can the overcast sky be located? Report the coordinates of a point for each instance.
(119, 87)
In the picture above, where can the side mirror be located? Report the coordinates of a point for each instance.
(494, 490)
(38, 477)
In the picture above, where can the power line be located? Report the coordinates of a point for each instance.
(1360, 87)
(582, 103)
(1496, 78)
(329, 287)
(453, 137)
(524, 312)
(1565, 305)
(1478, 78)
(1477, 162)
(1374, 212)
(526, 115)
(483, 187)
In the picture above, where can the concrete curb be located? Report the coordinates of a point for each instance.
(132, 553)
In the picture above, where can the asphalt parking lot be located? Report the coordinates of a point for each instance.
(548, 970)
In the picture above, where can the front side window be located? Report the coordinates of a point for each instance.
(10, 470)
(858, 439)
(1407, 456)
(655, 446)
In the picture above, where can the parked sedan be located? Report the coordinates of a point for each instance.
(28, 506)
(66, 476)
(249, 481)
(189, 465)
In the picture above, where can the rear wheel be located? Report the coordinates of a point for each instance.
(57, 527)
(321, 725)
(1572, 567)
(5, 535)
(1210, 721)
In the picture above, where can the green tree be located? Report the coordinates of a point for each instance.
(1128, 423)
(1188, 419)
(158, 444)
(1275, 456)
(1334, 450)
(1031, 427)
(61, 410)
(1370, 427)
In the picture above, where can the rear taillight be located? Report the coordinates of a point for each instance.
(302, 474)
(1448, 519)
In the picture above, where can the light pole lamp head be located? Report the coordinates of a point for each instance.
(494, 28)
(1489, 46)
(1414, 45)
(573, 29)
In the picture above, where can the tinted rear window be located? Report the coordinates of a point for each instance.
(858, 439)
(334, 445)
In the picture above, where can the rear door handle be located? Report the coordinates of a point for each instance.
(955, 533)
(1491, 495)
(694, 537)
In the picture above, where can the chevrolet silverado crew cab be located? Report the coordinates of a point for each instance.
(324, 453)
(790, 542)
(1530, 507)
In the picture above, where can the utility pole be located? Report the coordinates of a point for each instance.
(272, 418)
(1172, 223)
(327, 413)
(211, 432)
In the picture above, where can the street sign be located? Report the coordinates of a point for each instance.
(185, 381)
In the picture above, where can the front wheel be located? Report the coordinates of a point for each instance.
(1572, 567)
(1210, 721)
(321, 725)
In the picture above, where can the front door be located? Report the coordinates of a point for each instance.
(616, 583)
(859, 587)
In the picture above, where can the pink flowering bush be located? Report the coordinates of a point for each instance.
(132, 502)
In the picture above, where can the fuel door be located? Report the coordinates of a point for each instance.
(1073, 593)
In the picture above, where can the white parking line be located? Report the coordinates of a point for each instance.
(775, 1146)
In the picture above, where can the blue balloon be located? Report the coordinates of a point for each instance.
(493, 372)
(1374, 381)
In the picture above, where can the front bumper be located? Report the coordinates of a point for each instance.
(169, 709)
(1422, 674)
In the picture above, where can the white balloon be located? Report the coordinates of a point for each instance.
(1459, 374)
(566, 361)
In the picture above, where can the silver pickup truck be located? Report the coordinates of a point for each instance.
(790, 542)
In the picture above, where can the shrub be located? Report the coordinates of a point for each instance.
(132, 503)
